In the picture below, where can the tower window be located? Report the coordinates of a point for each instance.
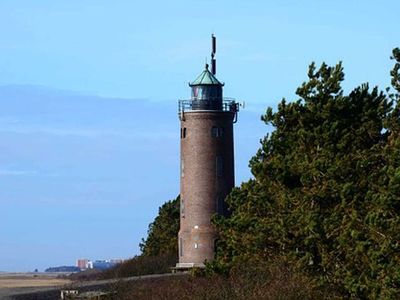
(196, 245)
(182, 208)
(180, 247)
(217, 132)
(219, 166)
(183, 133)
(182, 168)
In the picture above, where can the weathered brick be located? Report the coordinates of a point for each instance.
(207, 176)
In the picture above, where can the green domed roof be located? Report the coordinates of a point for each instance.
(206, 78)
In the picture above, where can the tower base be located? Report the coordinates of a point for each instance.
(185, 267)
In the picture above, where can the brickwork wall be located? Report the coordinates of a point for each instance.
(207, 176)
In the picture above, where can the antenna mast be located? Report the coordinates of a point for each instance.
(213, 51)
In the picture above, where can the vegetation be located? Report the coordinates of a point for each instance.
(325, 197)
(62, 269)
(163, 232)
(159, 249)
(265, 282)
(320, 219)
(141, 265)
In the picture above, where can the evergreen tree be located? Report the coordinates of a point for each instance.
(163, 231)
(395, 73)
(325, 194)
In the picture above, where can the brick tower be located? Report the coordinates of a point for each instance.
(207, 164)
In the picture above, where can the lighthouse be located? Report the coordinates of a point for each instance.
(207, 164)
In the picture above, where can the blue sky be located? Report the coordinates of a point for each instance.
(89, 134)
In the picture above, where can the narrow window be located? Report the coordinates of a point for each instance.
(214, 131)
(183, 133)
(196, 245)
(217, 132)
(182, 208)
(220, 132)
(180, 247)
(182, 168)
(219, 166)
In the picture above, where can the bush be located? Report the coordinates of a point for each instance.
(142, 265)
(326, 189)
(276, 281)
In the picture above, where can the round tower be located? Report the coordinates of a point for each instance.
(207, 165)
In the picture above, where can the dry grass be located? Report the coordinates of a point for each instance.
(17, 281)
(272, 284)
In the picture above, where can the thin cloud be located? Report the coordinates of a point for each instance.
(8, 172)
(18, 173)
(93, 133)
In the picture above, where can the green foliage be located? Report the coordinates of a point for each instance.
(395, 73)
(163, 231)
(159, 249)
(141, 265)
(394, 121)
(325, 196)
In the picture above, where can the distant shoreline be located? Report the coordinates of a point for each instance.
(30, 274)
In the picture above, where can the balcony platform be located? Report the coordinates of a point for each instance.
(226, 104)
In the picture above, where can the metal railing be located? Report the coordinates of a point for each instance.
(227, 104)
(195, 104)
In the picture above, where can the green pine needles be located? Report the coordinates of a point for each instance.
(325, 197)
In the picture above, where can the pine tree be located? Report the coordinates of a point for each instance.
(325, 194)
(163, 231)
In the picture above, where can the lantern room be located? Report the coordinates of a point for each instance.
(206, 92)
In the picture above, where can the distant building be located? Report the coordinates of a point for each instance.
(90, 265)
(102, 264)
(117, 261)
(82, 263)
